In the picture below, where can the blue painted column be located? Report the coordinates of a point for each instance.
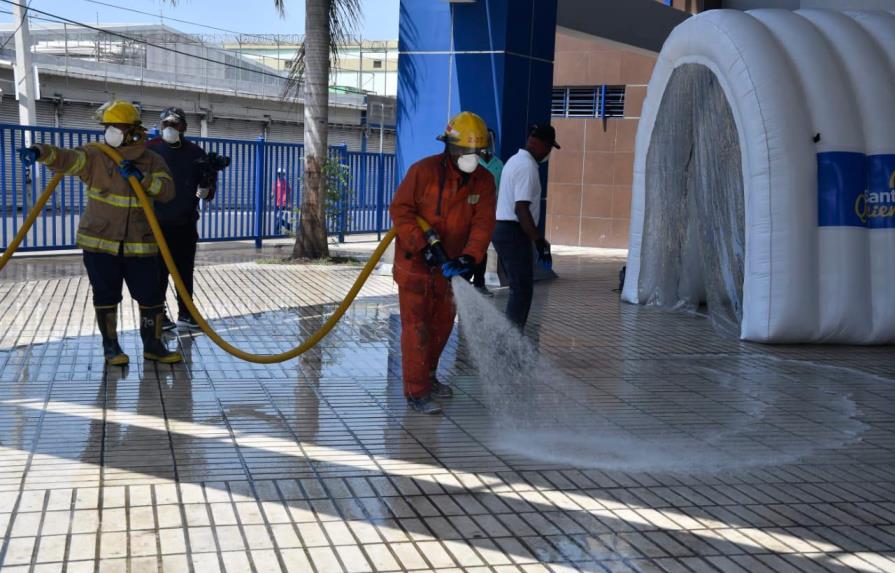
(490, 57)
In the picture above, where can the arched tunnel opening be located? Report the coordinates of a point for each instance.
(693, 251)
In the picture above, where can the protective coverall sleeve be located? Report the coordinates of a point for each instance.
(483, 222)
(404, 210)
(158, 182)
(69, 161)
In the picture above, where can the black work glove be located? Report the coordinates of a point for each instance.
(434, 257)
(545, 259)
(462, 266)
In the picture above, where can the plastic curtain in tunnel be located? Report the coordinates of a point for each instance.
(694, 211)
(764, 176)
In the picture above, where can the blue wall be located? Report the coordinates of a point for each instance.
(491, 57)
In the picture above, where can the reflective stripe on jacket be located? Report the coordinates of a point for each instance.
(113, 214)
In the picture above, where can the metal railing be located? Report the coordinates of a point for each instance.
(244, 207)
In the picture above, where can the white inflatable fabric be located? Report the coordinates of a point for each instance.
(764, 175)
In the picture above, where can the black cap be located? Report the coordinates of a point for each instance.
(544, 132)
(173, 114)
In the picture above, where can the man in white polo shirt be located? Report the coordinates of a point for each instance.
(518, 212)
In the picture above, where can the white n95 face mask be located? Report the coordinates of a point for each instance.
(114, 137)
(467, 163)
(170, 135)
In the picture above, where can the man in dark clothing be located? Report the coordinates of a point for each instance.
(193, 180)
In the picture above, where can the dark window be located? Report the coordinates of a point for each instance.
(598, 101)
(558, 105)
(583, 102)
(614, 101)
(377, 64)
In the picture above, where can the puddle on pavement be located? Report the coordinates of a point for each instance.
(724, 422)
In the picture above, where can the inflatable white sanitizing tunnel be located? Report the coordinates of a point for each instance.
(764, 176)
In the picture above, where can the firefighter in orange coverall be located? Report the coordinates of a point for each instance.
(457, 198)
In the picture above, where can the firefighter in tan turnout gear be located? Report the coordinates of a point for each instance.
(113, 232)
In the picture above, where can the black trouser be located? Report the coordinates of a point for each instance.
(182, 240)
(108, 273)
(515, 251)
(478, 275)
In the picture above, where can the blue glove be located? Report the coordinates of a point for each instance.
(545, 259)
(462, 265)
(29, 155)
(128, 169)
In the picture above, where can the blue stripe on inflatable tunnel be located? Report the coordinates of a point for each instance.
(855, 190)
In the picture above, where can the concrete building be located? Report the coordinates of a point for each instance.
(225, 94)
(366, 66)
(589, 194)
(599, 87)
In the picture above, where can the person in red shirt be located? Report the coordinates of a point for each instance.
(453, 194)
(281, 196)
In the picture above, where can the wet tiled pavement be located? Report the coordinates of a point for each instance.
(783, 457)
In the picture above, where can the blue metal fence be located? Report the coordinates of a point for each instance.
(244, 207)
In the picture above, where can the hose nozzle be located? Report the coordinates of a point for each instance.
(433, 243)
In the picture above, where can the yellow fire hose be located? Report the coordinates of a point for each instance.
(181, 288)
(29, 220)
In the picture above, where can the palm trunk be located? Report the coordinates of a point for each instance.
(311, 241)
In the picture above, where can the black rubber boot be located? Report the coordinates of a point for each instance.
(151, 318)
(107, 320)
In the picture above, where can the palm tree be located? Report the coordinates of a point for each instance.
(328, 25)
